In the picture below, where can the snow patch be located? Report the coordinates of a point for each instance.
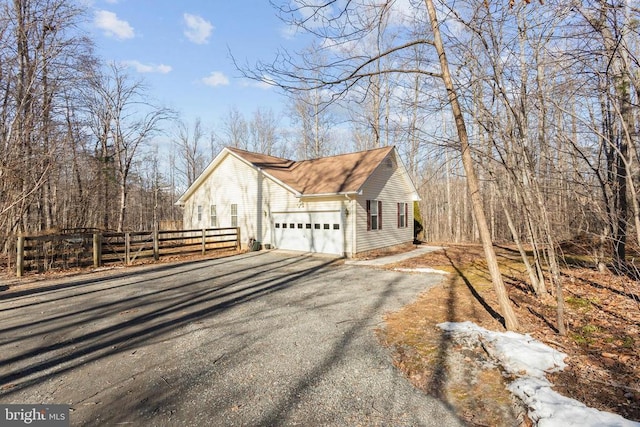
(421, 270)
(529, 360)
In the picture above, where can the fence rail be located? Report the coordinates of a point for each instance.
(84, 249)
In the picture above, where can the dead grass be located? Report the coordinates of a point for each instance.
(603, 314)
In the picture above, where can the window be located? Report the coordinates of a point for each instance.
(214, 216)
(336, 226)
(308, 226)
(300, 225)
(316, 226)
(234, 215)
(199, 213)
(374, 215)
(277, 225)
(284, 225)
(326, 226)
(403, 215)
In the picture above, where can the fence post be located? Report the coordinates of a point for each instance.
(20, 257)
(156, 243)
(204, 241)
(127, 248)
(97, 250)
(238, 244)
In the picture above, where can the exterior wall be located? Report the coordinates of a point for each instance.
(335, 204)
(258, 198)
(232, 182)
(387, 185)
(276, 199)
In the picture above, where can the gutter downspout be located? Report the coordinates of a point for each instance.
(353, 215)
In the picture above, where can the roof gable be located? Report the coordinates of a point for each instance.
(345, 173)
(341, 174)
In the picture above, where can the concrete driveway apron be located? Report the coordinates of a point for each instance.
(258, 339)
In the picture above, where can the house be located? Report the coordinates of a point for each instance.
(344, 205)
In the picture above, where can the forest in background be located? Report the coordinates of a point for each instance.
(524, 114)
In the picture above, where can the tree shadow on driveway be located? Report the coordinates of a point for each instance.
(94, 277)
(185, 302)
(194, 345)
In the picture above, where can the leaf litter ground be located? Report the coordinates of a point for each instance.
(603, 316)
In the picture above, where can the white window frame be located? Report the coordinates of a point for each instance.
(213, 216)
(374, 215)
(234, 215)
(403, 211)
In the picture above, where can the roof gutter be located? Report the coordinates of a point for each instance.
(345, 194)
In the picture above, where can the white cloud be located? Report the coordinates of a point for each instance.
(289, 32)
(402, 12)
(262, 85)
(112, 26)
(216, 78)
(266, 83)
(198, 29)
(148, 68)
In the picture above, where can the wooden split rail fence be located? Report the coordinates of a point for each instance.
(84, 249)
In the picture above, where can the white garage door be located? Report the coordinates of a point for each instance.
(309, 232)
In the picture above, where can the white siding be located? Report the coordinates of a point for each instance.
(388, 185)
(232, 182)
(258, 197)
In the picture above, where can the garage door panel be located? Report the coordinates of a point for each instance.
(309, 232)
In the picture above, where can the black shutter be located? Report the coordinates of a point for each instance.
(379, 215)
(406, 214)
(368, 215)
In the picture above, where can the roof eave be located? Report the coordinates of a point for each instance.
(415, 196)
(201, 178)
(217, 160)
(286, 186)
(344, 194)
(265, 172)
(391, 149)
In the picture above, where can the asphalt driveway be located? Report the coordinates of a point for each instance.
(259, 339)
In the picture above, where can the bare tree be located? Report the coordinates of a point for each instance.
(189, 145)
(129, 121)
(235, 129)
(511, 321)
(42, 59)
(515, 141)
(612, 23)
(264, 135)
(314, 122)
(358, 65)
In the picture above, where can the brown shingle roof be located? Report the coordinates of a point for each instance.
(344, 173)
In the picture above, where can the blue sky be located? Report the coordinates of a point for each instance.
(181, 50)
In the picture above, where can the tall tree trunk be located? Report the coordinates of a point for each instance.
(511, 322)
(537, 285)
(122, 206)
